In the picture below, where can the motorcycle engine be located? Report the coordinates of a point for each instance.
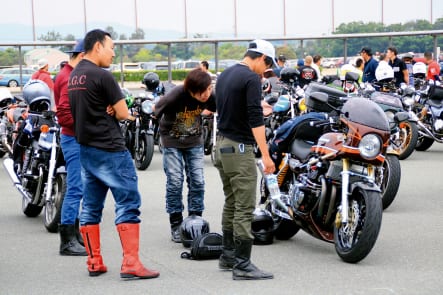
(438, 126)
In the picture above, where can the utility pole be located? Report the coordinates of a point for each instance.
(33, 20)
(84, 14)
(235, 19)
(136, 15)
(186, 21)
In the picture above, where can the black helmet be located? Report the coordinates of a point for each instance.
(192, 227)
(37, 95)
(151, 80)
(289, 75)
(262, 227)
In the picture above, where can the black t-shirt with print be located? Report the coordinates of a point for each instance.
(180, 118)
(91, 89)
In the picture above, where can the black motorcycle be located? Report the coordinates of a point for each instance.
(37, 167)
(140, 134)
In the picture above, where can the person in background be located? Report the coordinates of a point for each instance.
(43, 74)
(307, 72)
(71, 243)
(316, 62)
(407, 59)
(181, 135)
(97, 106)
(433, 67)
(281, 61)
(204, 66)
(370, 65)
(241, 126)
(359, 66)
(401, 73)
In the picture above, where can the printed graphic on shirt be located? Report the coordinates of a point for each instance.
(187, 123)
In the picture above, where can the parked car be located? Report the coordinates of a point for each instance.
(328, 63)
(10, 77)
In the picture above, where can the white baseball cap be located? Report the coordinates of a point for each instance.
(42, 63)
(263, 47)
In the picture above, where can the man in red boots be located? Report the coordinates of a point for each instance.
(97, 106)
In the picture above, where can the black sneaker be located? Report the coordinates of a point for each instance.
(175, 234)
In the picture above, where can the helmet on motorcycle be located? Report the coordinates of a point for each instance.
(151, 80)
(192, 227)
(419, 70)
(262, 227)
(5, 97)
(384, 72)
(289, 75)
(37, 95)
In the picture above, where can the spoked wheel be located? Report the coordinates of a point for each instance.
(408, 136)
(30, 209)
(355, 239)
(143, 156)
(53, 208)
(390, 179)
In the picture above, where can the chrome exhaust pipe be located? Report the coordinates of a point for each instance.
(9, 166)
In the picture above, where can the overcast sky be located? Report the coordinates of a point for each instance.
(255, 18)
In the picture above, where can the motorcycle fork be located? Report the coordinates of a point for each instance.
(344, 191)
(137, 134)
(52, 162)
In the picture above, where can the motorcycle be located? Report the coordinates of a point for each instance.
(37, 168)
(208, 128)
(428, 106)
(327, 176)
(8, 109)
(140, 134)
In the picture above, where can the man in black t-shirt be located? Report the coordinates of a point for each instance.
(307, 72)
(97, 106)
(401, 74)
(240, 126)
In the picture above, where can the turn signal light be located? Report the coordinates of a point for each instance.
(44, 128)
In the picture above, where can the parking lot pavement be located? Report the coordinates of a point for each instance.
(406, 260)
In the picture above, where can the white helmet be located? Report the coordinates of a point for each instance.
(419, 69)
(384, 71)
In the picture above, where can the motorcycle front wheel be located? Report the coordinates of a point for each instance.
(391, 180)
(143, 156)
(355, 239)
(53, 208)
(408, 139)
(423, 143)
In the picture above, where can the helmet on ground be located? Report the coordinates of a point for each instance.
(37, 95)
(419, 70)
(262, 227)
(384, 72)
(289, 75)
(192, 227)
(151, 80)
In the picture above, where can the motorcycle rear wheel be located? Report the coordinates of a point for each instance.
(423, 143)
(53, 209)
(355, 240)
(391, 180)
(144, 155)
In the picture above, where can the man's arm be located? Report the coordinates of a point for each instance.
(260, 138)
(121, 110)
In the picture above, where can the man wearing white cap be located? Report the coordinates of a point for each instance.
(241, 126)
(43, 74)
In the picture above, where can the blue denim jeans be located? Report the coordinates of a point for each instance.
(74, 191)
(101, 171)
(191, 160)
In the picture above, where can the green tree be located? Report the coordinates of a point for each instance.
(9, 57)
(110, 30)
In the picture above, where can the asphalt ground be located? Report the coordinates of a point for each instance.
(407, 258)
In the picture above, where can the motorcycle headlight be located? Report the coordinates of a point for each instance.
(370, 146)
(147, 107)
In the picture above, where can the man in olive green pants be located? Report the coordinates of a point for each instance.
(240, 126)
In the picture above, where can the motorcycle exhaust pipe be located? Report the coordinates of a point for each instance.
(425, 132)
(6, 145)
(9, 166)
